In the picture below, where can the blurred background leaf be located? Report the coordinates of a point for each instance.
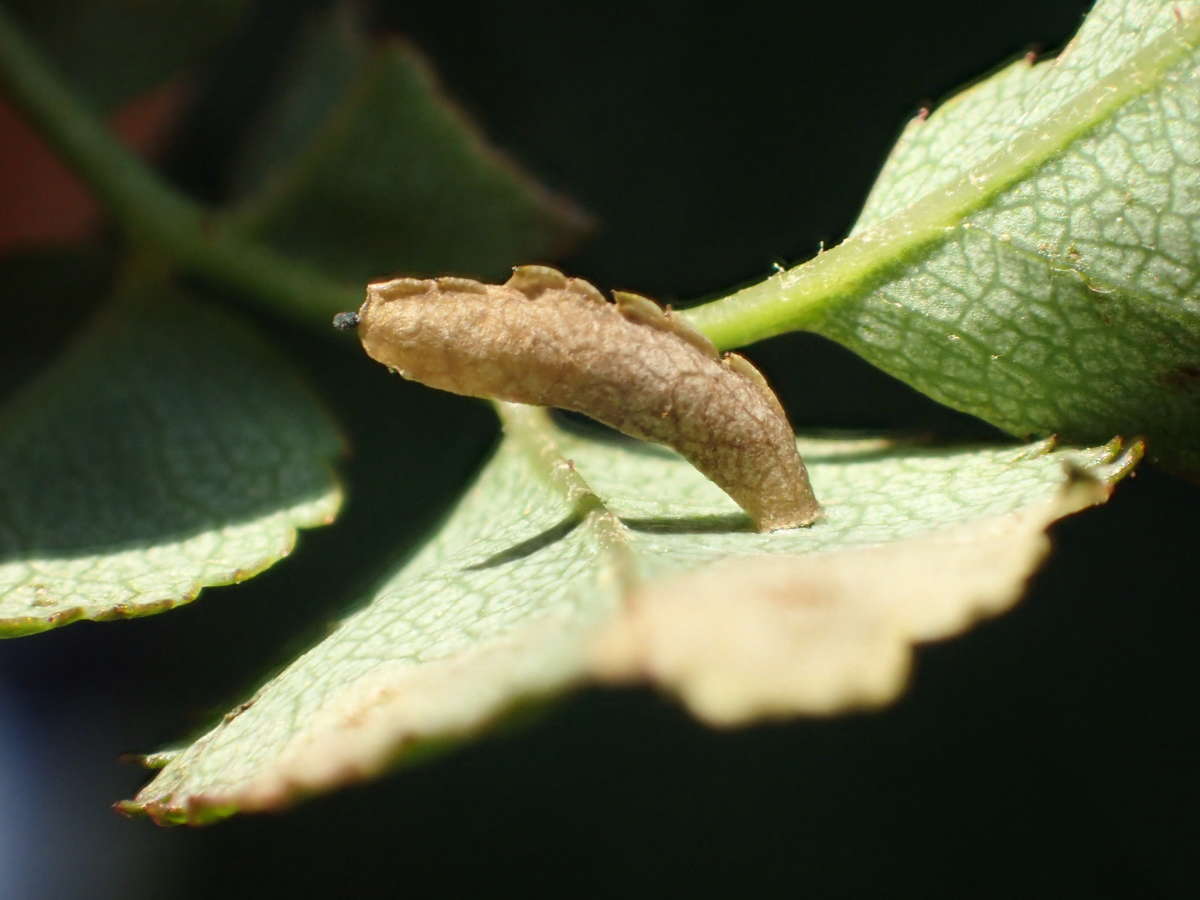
(365, 167)
(114, 50)
(128, 59)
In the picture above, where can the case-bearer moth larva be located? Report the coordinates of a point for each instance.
(548, 340)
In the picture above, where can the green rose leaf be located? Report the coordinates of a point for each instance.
(166, 450)
(576, 558)
(365, 168)
(1029, 253)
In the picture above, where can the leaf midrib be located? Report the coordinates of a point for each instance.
(533, 431)
(796, 299)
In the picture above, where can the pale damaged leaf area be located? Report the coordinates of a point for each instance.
(167, 450)
(547, 340)
(1029, 253)
(581, 558)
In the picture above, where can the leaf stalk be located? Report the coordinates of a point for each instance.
(152, 212)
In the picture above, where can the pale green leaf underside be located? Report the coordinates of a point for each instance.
(573, 558)
(1029, 253)
(166, 451)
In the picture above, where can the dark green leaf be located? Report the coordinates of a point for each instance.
(113, 50)
(165, 451)
(367, 169)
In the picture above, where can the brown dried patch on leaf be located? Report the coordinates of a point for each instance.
(777, 635)
(545, 339)
(360, 731)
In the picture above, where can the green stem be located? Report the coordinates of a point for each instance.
(798, 298)
(150, 210)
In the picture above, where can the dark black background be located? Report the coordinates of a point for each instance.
(1043, 754)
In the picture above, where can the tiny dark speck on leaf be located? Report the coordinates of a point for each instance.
(1182, 378)
(237, 711)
